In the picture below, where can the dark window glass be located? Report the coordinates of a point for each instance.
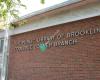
(1, 45)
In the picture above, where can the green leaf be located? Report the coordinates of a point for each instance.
(23, 5)
(19, 1)
(4, 14)
(15, 15)
(42, 1)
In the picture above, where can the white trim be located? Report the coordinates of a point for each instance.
(49, 9)
(59, 18)
(64, 17)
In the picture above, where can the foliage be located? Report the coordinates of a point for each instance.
(42, 1)
(9, 8)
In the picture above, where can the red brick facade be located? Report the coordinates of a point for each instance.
(79, 61)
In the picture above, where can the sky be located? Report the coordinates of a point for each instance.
(35, 5)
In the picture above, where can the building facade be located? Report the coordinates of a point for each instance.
(57, 43)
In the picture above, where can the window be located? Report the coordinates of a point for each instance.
(1, 45)
(1, 51)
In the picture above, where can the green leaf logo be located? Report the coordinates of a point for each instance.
(42, 47)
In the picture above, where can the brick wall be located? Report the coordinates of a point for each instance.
(71, 62)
